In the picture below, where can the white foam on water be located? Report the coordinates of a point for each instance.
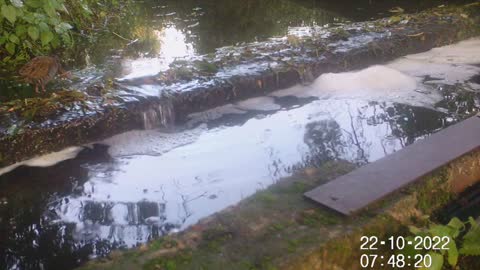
(443, 73)
(296, 91)
(150, 142)
(464, 52)
(46, 160)
(372, 82)
(399, 81)
(54, 158)
(10, 168)
(450, 64)
(376, 83)
(213, 114)
(258, 104)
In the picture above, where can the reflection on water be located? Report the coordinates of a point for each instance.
(155, 33)
(173, 46)
(59, 216)
(188, 28)
(194, 27)
(140, 187)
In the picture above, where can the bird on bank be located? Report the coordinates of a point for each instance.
(41, 70)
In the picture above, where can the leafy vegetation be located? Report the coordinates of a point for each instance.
(459, 240)
(37, 24)
(39, 27)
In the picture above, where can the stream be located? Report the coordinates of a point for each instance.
(62, 209)
(80, 203)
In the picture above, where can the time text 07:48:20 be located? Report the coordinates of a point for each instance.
(398, 243)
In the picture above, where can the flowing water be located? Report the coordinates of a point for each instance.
(59, 210)
(62, 209)
(162, 31)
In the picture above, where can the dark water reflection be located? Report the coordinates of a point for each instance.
(58, 217)
(187, 28)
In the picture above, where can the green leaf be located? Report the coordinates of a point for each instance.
(67, 39)
(13, 38)
(414, 230)
(20, 30)
(471, 242)
(456, 224)
(49, 9)
(56, 4)
(472, 222)
(33, 32)
(46, 37)
(63, 27)
(10, 13)
(43, 27)
(409, 250)
(55, 42)
(86, 9)
(63, 8)
(29, 17)
(441, 230)
(437, 261)
(452, 253)
(54, 21)
(34, 3)
(27, 44)
(10, 48)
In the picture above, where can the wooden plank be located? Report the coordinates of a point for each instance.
(358, 189)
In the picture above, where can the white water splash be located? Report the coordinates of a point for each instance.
(162, 116)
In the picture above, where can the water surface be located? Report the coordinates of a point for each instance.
(140, 185)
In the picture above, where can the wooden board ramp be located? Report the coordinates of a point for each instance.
(372, 182)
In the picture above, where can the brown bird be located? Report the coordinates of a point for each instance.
(42, 69)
